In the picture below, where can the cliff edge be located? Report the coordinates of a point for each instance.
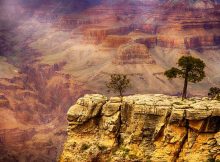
(155, 128)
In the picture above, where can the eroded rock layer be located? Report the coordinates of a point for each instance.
(54, 51)
(133, 53)
(143, 128)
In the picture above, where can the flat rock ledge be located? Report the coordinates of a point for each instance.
(147, 127)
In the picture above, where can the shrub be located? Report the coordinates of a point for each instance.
(214, 93)
(84, 147)
(118, 83)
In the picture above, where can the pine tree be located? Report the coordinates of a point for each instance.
(191, 70)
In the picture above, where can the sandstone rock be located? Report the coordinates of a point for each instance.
(86, 108)
(98, 34)
(200, 41)
(197, 114)
(143, 38)
(110, 109)
(115, 100)
(196, 124)
(142, 127)
(111, 123)
(115, 41)
(3, 101)
(133, 53)
(217, 137)
(169, 41)
(148, 41)
(177, 115)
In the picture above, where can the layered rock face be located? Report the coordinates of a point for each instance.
(143, 128)
(29, 108)
(188, 4)
(54, 51)
(133, 53)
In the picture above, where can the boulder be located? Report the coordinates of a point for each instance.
(86, 108)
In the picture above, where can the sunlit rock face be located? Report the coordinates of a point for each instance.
(142, 128)
(53, 51)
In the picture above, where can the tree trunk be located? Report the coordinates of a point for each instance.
(120, 91)
(184, 95)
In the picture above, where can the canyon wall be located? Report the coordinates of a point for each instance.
(142, 128)
(56, 51)
(31, 106)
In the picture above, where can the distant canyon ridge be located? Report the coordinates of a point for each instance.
(53, 52)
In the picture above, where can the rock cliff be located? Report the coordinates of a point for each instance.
(143, 128)
(59, 50)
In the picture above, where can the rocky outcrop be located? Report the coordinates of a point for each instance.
(41, 94)
(114, 41)
(170, 42)
(187, 4)
(133, 53)
(3, 101)
(97, 34)
(31, 105)
(202, 41)
(142, 128)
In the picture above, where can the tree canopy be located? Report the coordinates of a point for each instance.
(190, 68)
(214, 93)
(118, 83)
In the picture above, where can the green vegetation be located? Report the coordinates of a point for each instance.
(211, 160)
(84, 147)
(118, 83)
(177, 103)
(191, 70)
(214, 93)
(125, 151)
(102, 147)
(148, 160)
(132, 156)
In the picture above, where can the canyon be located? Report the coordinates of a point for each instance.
(54, 52)
(142, 128)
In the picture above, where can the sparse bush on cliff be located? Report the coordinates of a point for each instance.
(84, 147)
(214, 93)
(102, 147)
(50, 142)
(211, 160)
(118, 83)
(191, 70)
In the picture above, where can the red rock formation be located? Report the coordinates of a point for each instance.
(3, 101)
(201, 41)
(39, 97)
(98, 34)
(133, 53)
(41, 94)
(171, 42)
(115, 41)
(148, 41)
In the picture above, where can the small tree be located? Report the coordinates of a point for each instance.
(118, 83)
(191, 70)
(214, 93)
